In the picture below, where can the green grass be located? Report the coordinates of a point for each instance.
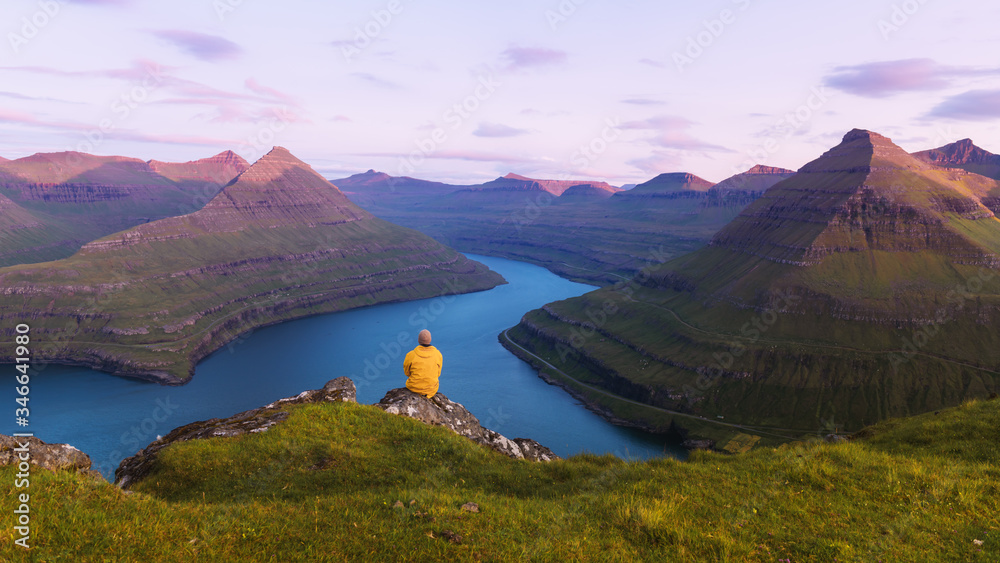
(322, 487)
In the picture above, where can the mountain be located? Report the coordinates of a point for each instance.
(757, 179)
(78, 197)
(279, 242)
(584, 192)
(671, 184)
(219, 169)
(554, 187)
(865, 286)
(965, 155)
(380, 183)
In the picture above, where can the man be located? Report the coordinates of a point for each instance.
(422, 366)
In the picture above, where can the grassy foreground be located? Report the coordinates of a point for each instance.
(322, 487)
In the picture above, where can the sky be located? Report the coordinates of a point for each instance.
(464, 92)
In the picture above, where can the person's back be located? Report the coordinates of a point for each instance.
(422, 366)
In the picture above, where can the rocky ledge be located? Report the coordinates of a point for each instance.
(439, 411)
(53, 457)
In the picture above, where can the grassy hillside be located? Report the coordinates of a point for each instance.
(324, 486)
(867, 286)
(278, 243)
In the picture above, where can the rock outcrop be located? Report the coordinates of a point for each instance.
(439, 410)
(133, 469)
(53, 457)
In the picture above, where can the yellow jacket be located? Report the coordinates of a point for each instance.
(422, 367)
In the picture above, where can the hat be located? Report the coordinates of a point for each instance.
(424, 338)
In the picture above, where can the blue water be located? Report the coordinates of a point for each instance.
(111, 418)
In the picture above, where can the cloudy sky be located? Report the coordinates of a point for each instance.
(467, 91)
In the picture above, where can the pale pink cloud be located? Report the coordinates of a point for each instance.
(887, 78)
(974, 105)
(267, 92)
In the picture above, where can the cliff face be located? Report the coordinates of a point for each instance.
(966, 155)
(862, 287)
(277, 243)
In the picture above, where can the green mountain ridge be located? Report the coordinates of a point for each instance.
(861, 288)
(278, 242)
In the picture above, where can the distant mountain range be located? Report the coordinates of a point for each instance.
(865, 286)
(278, 242)
(63, 200)
(584, 230)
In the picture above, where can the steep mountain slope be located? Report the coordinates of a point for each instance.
(865, 286)
(78, 197)
(965, 155)
(279, 242)
(25, 236)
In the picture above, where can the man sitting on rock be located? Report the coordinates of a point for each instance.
(422, 366)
